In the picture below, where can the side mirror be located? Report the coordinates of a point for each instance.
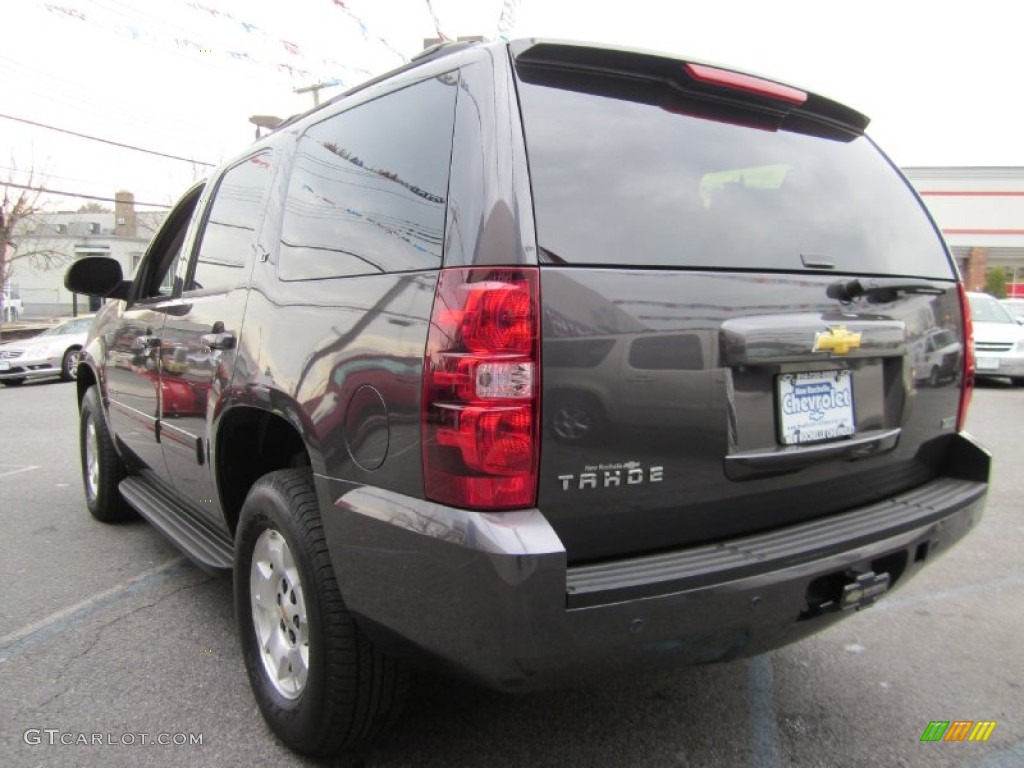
(97, 276)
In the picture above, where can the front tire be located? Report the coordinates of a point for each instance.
(320, 684)
(102, 468)
(69, 365)
(13, 382)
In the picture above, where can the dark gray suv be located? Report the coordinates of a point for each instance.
(534, 362)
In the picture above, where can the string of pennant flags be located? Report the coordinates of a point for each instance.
(285, 56)
(507, 20)
(340, 5)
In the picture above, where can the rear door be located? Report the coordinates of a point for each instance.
(761, 272)
(202, 330)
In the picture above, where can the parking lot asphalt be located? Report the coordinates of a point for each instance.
(109, 636)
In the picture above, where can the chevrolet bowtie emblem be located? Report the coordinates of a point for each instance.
(838, 341)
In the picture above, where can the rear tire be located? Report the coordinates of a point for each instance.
(102, 468)
(320, 684)
(12, 382)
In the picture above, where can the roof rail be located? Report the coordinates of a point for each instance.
(442, 49)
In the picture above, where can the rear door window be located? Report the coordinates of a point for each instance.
(616, 182)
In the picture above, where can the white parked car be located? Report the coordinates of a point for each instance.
(1016, 307)
(54, 352)
(998, 339)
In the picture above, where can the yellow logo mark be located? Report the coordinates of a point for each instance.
(982, 730)
(838, 341)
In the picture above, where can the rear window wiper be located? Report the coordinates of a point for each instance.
(879, 290)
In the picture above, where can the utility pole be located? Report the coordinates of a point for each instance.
(316, 88)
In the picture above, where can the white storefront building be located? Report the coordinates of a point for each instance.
(981, 214)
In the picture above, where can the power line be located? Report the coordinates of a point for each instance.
(51, 176)
(41, 86)
(77, 194)
(105, 141)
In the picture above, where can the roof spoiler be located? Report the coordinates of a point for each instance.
(558, 63)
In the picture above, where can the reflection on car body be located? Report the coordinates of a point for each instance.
(666, 380)
(937, 357)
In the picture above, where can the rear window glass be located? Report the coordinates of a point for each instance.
(617, 182)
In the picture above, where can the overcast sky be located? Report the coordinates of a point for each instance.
(939, 79)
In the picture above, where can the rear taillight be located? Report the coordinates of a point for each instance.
(480, 389)
(967, 387)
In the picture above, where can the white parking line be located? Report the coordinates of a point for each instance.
(15, 471)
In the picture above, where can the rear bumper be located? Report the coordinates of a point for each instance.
(489, 596)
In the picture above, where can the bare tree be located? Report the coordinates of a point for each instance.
(20, 208)
(93, 207)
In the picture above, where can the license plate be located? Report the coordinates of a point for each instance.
(5, 366)
(986, 363)
(864, 591)
(815, 405)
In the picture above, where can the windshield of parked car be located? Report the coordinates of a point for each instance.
(81, 325)
(985, 309)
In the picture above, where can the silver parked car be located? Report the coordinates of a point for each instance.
(998, 339)
(54, 352)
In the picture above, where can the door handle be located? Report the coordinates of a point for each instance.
(218, 340)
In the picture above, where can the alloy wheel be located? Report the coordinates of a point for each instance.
(279, 614)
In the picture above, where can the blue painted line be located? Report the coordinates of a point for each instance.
(65, 621)
(763, 736)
